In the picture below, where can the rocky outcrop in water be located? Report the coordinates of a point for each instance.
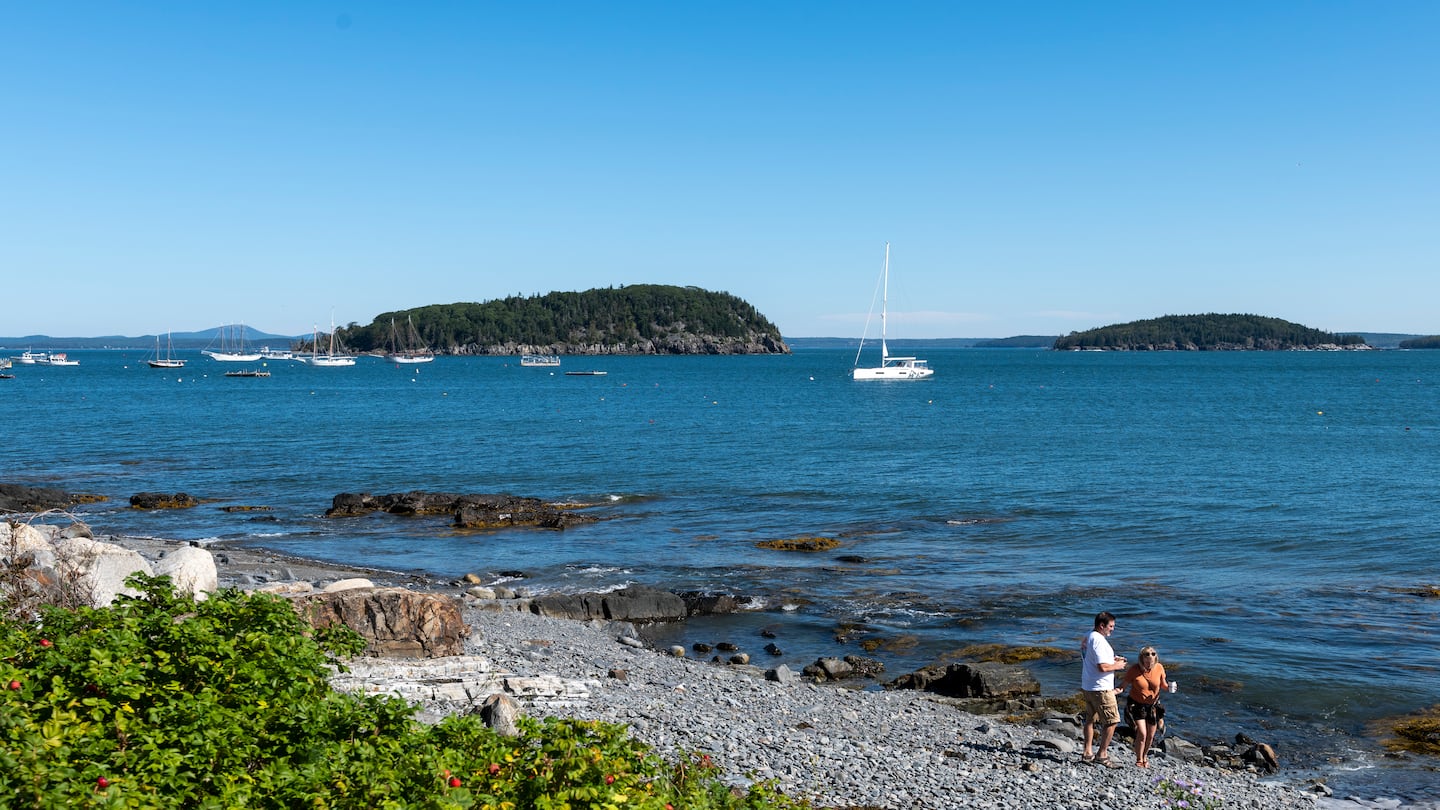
(162, 500)
(21, 498)
(469, 511)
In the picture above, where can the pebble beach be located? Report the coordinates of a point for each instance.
(838, 747)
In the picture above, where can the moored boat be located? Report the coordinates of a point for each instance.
(55, 359)
(890, 368)
(540, 360)
(166, 360)
(407, 348)
(230, 346)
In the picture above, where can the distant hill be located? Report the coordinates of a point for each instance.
(1419, 342)
(180, 340)
(634, 319)
(1208, 332)
(1017, 342)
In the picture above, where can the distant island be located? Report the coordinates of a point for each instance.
(1209, 332)
(1427, 342)
(634, 319)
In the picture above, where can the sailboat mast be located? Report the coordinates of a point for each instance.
(884, 305)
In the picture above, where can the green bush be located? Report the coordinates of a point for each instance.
(161, 701)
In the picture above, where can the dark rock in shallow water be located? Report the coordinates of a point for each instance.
(162, 500)
(21, 498)
(698, 603)
(469, 511)
(983, 680)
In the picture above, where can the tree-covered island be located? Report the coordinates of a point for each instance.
(634, 319)
(1210, 332)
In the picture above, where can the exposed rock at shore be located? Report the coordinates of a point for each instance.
(21, 498)
(990, 681)
(482, 511)
(636, 603)
(800, 544)
(162, 500)
(395, 622)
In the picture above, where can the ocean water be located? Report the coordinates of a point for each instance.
(1258, 517)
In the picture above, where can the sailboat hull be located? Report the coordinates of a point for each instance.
(900, 371)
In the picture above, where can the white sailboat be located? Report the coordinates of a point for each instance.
(407, 348)
(168, 359)
(890, 368)
(232, 347)
(329, 359)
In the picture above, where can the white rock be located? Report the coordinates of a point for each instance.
(348, 585)
(191, 569)
(22, 539)
(99, 568)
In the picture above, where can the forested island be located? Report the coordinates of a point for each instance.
(1428, 342)
(1209, 332)
(634, 319)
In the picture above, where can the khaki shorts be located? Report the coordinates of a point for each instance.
(1101, 706)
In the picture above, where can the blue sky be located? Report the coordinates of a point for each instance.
(1038, 167)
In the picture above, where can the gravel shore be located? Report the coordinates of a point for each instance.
(839, 747)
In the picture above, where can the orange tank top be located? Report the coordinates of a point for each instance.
(1145, 686)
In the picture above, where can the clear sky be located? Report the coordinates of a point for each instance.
(1038, 167)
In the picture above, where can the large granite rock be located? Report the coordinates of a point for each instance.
(990, 681)
(98, 569)
(637, 603)
(470, 511)
(191, 570)
(396, 622)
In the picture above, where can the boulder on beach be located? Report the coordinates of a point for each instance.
(98, 569)
(395, 622)
(191, 570)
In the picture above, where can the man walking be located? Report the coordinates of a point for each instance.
(1097, 680)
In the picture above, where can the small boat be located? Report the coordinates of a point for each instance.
(407, 348)
(55, 359)
(4, 376)
(267, 353)
(29, 358)
(540, 360)
(4, 364)
(247, 372)
(890, 368)
(329, 359)
(168, 360)
(229, 346)
(586, 373)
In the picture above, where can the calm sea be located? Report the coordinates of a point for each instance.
(1259, 517)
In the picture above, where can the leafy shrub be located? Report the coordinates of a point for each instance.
(161, 701)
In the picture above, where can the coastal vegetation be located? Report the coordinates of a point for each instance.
(634, 319)
(162, 701)
(1209, 332)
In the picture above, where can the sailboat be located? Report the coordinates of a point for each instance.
(329, 359)
(169, 360)
(232, 348)
(408, 348)
(890, 368)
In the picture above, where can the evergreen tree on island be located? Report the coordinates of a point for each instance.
(634, 319)
(1210, 332)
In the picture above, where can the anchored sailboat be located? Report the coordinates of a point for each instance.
(167, 360)
(407, 348)
(229, 346)
(890, 368)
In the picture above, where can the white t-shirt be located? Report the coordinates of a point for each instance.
(1097, 652)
